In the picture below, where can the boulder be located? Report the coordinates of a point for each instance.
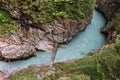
(44, 46)
(17, 52)
(107, 28)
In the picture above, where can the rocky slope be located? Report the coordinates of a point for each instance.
(103, 65)
(24, 43)
(108, 8)
(41, 30)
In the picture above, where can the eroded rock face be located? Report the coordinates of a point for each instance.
(40, 27)
(108, 7)
(64, 30)
(107, 28)
(24, 43)
(44, 45)
(17, 52)
(14, 51)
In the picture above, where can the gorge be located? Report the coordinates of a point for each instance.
(58, 23)
(86, 41)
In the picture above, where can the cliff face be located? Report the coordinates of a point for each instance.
(107, 7)
(104, 65)
(42, 24)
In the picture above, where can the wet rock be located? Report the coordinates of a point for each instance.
(25, 42)
(44, 46)
(107, 7)
(17, 52)
(63, 31)
(93, 52)
(33, 35)
(107, 28)
(111, 37)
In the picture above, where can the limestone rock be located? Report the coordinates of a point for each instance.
(63, 31)
(2, 45)
(24, 43)
(45, 46)
(33, 35)
(17, 52)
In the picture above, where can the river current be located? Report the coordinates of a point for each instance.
(86, 41)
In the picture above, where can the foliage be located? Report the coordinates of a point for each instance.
(6, 23)
(26, 74)
(43, 11)
(103, 65)
(116, 22)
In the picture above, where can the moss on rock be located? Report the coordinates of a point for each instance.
(44, 11)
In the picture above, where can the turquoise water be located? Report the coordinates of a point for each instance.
(83, 43)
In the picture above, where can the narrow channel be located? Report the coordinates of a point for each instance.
(86, 41)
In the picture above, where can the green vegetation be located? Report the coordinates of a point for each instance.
(25, 73)
(103, 65)
(43, 11)
(6, 23)
(116, 22)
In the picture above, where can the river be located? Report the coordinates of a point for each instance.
(86, 41)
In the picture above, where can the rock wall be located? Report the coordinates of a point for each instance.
(36, 32)
(24, 43)
(108, 8)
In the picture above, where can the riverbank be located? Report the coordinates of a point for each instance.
(109, 8)
(78, 47)
(103, 64)
(35, 32)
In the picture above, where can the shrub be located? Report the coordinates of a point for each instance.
(6, 23)
(44, 11)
